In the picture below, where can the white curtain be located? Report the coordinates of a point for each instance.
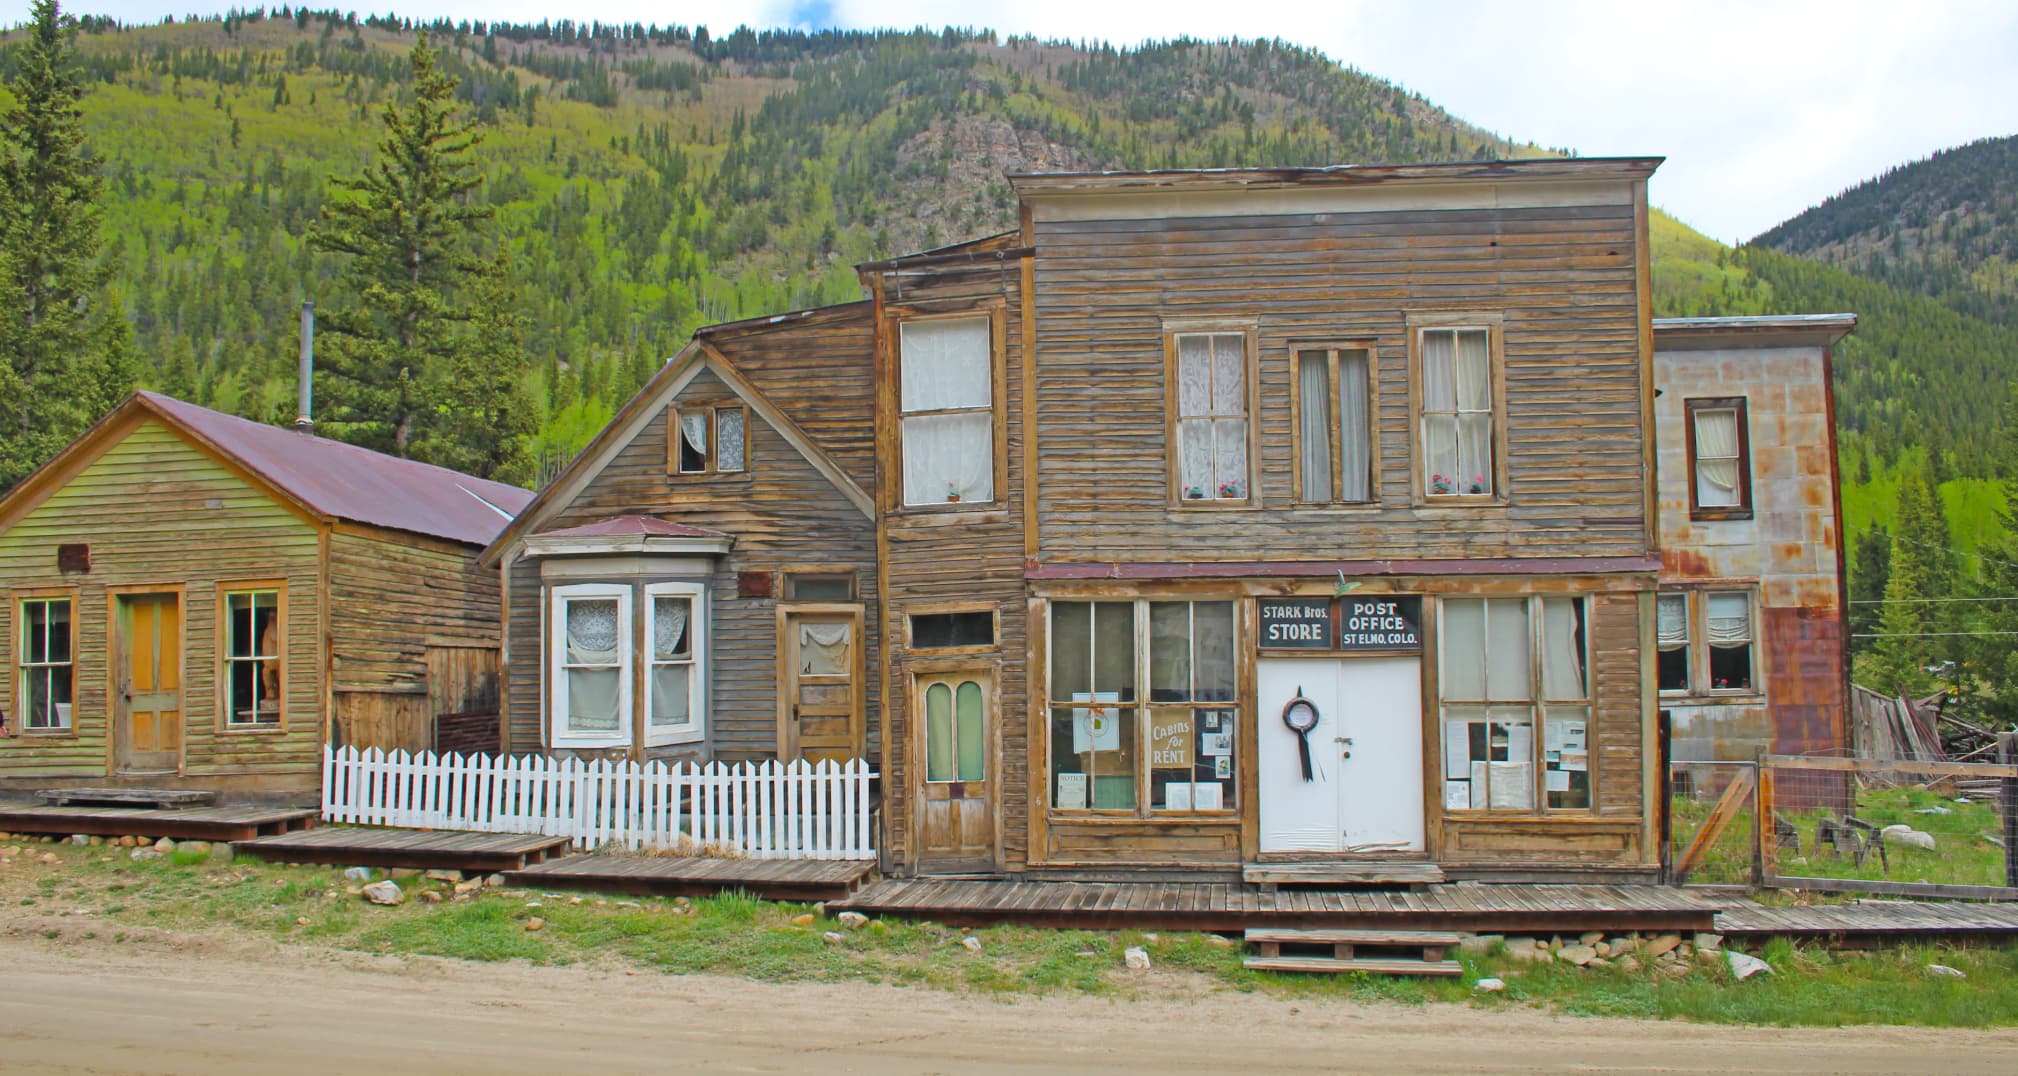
(1717, 459)
(1730, 620)
(1229, 458)
(1562, 651)
(594, 694)
(1474, 424)
(1194, 459)
(729, 439)
(1313, 424)
(1355, 422)
(1672, 621)
(1439, 371)
(823, 649)
(1507, 649)
(672, 684)
(669, 628)
(945, 365)
(1229, 375)
(949, 458)
(694, 428)
(1474, 372)
(1462, 648)
(1194, 375)
(672, 694)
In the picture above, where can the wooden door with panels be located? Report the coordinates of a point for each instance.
(821, 684)
(954, 760)
(147, 697)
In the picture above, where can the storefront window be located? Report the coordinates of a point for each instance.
(1109, 753)
(1507, 665)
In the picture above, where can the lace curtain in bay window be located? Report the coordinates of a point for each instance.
(672, 662)
(595, 676)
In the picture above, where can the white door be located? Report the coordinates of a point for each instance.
(1365, 790)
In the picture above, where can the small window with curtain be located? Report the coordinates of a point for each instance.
(1334, 426)
(947, 398)
(45, 664)
(1459, 412)
(252, 663)
(709, 440)
(1720, 466)
(590, 655)
(1672, 627)
(675, 636)
(1210, 421)
(1727, 618)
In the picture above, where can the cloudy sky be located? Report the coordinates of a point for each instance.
(1762, 108)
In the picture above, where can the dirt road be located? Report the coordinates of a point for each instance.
(227, 1009)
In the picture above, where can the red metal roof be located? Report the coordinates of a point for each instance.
(627, 526)
(355, 484)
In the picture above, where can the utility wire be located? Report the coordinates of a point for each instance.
(1917, 601)
(1921, 634)
(1935, 545)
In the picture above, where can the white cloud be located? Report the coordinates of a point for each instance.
(1762, 108)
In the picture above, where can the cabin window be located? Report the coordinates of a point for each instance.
(1720, 467)
(47, 670)
(1707, 635)
(1334, 458)
(1672, 629)
(952, 631)
(1110, 752)
(627, 665)
(1211, 417)
(820, 586)
(709, 440)
(1458, 412)
(947, 396)
(591, 651)
(1510, 667)
(673, 673)
(253, 639)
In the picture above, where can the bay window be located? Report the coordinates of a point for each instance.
(627, 665)
(947, 399)
(1507, 667)
(45, 663)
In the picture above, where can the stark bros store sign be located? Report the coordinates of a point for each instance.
(1376, 622)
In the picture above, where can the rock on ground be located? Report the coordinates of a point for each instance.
(1744, 967)
(386, 892)
(1578, 954)
(1945, 971)
(1488, 986)
(853, 920)
(1136, 957)
(1709, 941)
(972, 943)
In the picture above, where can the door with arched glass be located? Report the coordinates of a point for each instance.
(955, 766)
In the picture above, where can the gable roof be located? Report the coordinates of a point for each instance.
(325, 478)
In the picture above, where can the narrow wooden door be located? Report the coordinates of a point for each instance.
(147, 713)
(955, 787)
(820, 684)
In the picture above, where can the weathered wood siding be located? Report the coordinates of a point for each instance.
(820, 371)
(1563, 279)
(783, 514)
(157, 511)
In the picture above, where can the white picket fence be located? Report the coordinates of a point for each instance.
(767, 810)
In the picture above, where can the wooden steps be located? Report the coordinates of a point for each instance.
(233, 824)
(1341, 873)
(694, 876)
(160, 798)
(1396, 952)
(418, 848)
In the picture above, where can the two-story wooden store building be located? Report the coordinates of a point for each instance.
(1210, 518)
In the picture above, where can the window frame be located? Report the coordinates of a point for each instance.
(558, 734)
(953, 608)
(714, 411)
(1688, 646)
(1248, 330)
(1538, 704)
(1700, 686)
(1493, 325)
(695, 727)
(1743, 509)
(18, 665)
(1334, 496)
(994, 313)
(788, 589)
(222, 611)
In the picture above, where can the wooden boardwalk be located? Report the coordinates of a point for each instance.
(1870, 921)
(237, 823)
(421, 848)
(1194, 906)
(692, 876)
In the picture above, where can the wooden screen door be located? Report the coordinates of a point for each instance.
(955, 786)
(820, 684)
(147, 716)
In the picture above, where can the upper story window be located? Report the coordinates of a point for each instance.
(1210, 419)
(709, 440)
(1460, 412)
(253, 639)
(948, 404)
(596, 673)
(1720, 464)
(1334, 461)
(1510, 667)
(46, 663)
(1707, 642)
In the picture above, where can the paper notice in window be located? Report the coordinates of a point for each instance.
(1456, 795)
(1177, 796)
(1207, 796)
(1071, 792)
(1556, 781)
(1456, 751)
(1578, 761)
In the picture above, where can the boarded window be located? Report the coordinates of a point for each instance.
(252, 660)
(948, 403)
(947, 631)
(47, 664)
(1457, 412)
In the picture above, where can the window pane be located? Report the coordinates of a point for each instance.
(1566, 757)
(1731, 667)
(670, 621)
(1563, 648)
(35, 617)
(1510, 767)
(1717, 459)
(946, 364)
(1671, 617)
(949, 458)
(693, 446)
(1212, 651)
(1229, 374)
(820, 588)
(1194, 375)
(58, 614)
(593, 700)
(1313, 423)
(1194, 459)
(1355, 426)
(1507, 646)
(1071, 650)
(826, 649)
(1474, 371)
(729, 439)
(1461, 655)
(1730, 619)
(41, 715)
(1114, 649)
(672, 694)
(1093, 758)
(1439, 371)
(1673, 669)
(591, 631)
(1229, 459)
(939, 631)
(968, 712)
(939, 746)
(1439, 454)
(1474, 453)
(1169, 651)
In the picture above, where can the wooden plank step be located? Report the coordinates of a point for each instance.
(159, 797)
(1376, 965)
(1285, 935)
(1367, 872)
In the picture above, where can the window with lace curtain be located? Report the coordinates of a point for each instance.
(1334, 456)
(1209, 420)
(1708, 642)
(1720, 465)
(1459, 412)
(708, 440)
(946, 394)
(626, 667)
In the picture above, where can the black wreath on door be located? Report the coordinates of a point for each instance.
(1300, 714)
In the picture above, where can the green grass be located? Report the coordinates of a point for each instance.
(1962, 854)
(737, 935)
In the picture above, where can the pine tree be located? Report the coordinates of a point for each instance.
(410, 227)
(483, 416)
(1870, 570)
(1899, 660)
(1993, 655)
(65, 347)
